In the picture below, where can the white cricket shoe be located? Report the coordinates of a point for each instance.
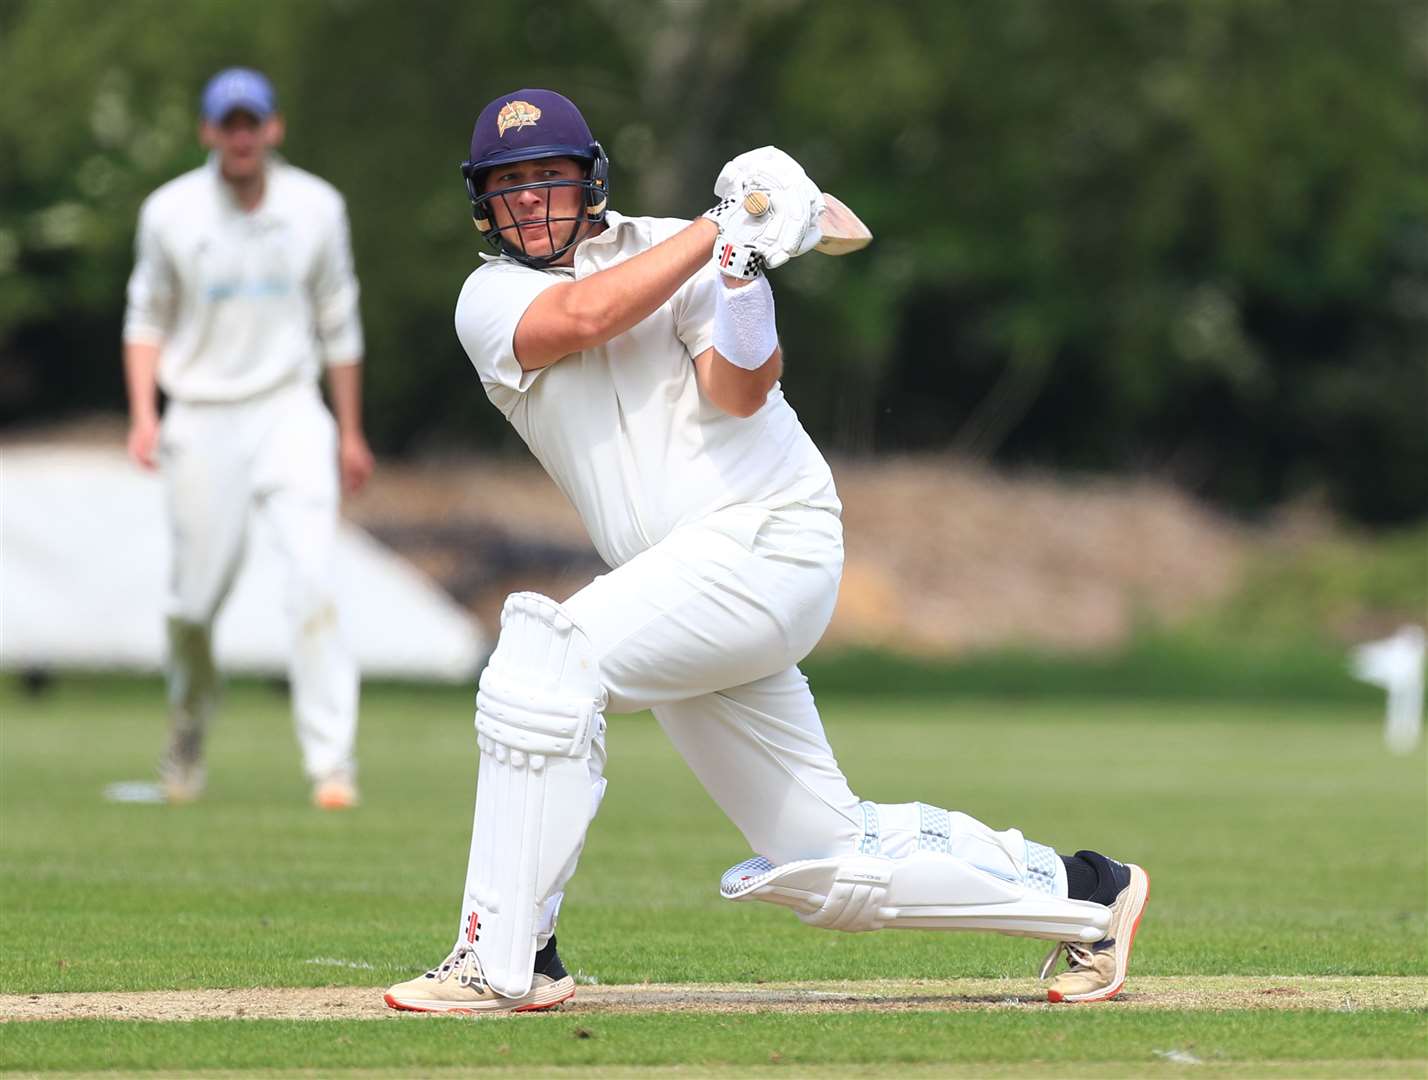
(1096, 972)
(457, 986)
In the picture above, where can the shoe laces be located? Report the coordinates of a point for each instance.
(1079, 957)
(464, 964)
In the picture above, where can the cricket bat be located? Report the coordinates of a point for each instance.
(843, 231)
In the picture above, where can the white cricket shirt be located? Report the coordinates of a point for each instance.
(622, 428)
(242, 301)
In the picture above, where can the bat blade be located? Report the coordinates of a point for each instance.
(843, 231)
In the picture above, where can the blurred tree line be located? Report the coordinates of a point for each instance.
(1181, 238)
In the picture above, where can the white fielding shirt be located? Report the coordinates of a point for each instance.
(622, 428)
(241, 302)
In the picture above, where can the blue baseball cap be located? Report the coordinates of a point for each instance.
(528, 124)
(238, 88)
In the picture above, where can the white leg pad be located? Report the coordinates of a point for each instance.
(923, 891)
(538, 709)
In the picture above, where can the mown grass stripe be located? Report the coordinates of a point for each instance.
(1069, 1036)
(1360, 1069)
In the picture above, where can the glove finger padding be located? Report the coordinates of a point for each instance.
(767, 161)
(792, 228)
(785, 227)
(730, 184)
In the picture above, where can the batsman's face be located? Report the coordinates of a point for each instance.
(541, 217)
(242, 142)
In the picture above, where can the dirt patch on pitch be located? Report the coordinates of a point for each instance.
(1219, 993)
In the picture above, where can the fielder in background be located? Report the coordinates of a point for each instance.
(644, 375)
(242, 292)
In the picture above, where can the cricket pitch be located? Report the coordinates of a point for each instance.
(1212, 993)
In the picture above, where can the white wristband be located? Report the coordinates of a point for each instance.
(744, 331)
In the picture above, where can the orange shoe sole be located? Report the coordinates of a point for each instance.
(535, 1006)
(1106, 995)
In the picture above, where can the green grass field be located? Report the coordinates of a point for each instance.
(1281, 839)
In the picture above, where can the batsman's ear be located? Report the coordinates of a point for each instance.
(275, 129)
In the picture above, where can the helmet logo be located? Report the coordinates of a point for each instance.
(516, 114)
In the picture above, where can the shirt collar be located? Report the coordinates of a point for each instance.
(614, 222)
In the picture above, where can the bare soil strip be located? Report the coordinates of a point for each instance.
(1212, 993)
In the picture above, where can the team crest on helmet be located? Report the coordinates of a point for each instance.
(516, 114)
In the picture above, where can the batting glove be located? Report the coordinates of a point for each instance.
(767, 214)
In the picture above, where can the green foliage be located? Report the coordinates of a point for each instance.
(1282, 635)
(1326, 591)
(1186, 237)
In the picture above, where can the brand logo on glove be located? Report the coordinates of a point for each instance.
(516, 114)
(727, 255)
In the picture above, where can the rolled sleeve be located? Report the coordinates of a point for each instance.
(335, 296)
(694, 310)
(487, 314)
(151, 293)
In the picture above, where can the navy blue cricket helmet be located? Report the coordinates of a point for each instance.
(526, 125)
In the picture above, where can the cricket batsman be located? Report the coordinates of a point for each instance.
(639, 360)
(242, 293)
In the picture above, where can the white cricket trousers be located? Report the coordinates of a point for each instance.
(706, 629)
(223, 464)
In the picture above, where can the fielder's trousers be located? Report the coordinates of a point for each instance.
(223, 465)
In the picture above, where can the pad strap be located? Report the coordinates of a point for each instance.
(534, 721)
